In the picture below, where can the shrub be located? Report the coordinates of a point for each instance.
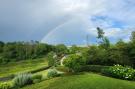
(62, 69)
(121, 72)
(51, 59)
(74, 62)
(36, 78)
(5, 85)
(22, 80)
(52, 73)
(36, 81)
(93, 68)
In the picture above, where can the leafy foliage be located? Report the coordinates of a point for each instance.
(5, 85)
(37, 78)
(93, 68)
(51, 59)
(52, 73)
(61, 50)
(121, 72)
(22, 80)
(74, 62)
(96, 56)
(16, 51)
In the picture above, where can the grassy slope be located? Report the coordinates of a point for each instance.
(22, 66)
(83, 81)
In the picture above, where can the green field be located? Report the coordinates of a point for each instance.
(83, 81)
(21, 66)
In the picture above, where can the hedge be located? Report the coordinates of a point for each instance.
(93, 68)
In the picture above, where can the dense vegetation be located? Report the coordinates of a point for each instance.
(109, 54)
(17, 51)
(120, 72)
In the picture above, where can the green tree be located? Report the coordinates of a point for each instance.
(1, 46)
(132, 36)
(61, 50)
(132, 48)
(51, 59)
(100, 33)
(104, 43)
(119, 53)
(74, 62)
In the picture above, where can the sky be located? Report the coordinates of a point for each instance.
(66, 21)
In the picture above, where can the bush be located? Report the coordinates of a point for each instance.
(121, 72)
(96, 56)
(22, 80)
(74, 62)
(36, 81)
(62, 69)
(93, 68)
(52, 73)
(36, 78)
(51, 59)
(5, 85)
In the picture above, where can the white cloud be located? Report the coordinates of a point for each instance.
(40, 17)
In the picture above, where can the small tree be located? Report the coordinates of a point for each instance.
(51, 59)
(61, 50)
(104, 43)
(74, 62)
(132, 36)
(100, 33)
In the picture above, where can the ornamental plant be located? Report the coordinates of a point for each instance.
(119, 71)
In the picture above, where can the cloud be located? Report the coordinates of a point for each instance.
(48, 20)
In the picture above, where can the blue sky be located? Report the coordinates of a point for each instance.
(65, 21)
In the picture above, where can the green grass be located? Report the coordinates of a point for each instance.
(83, 81)
(22, 66)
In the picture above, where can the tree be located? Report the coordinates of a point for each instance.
(61, 50)
(51, 59)
(74, 62)
(96, 56)
(132, 36)
(1, 46)
(23, 50)
(119, 53)
(104, 43)
(74, 49)
(132, 48)
(100, 33)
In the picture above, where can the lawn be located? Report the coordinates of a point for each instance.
(83, 81)
(22, 66)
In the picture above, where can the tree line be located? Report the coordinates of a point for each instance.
(16, 51)
(106, 53)
(102, 53)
